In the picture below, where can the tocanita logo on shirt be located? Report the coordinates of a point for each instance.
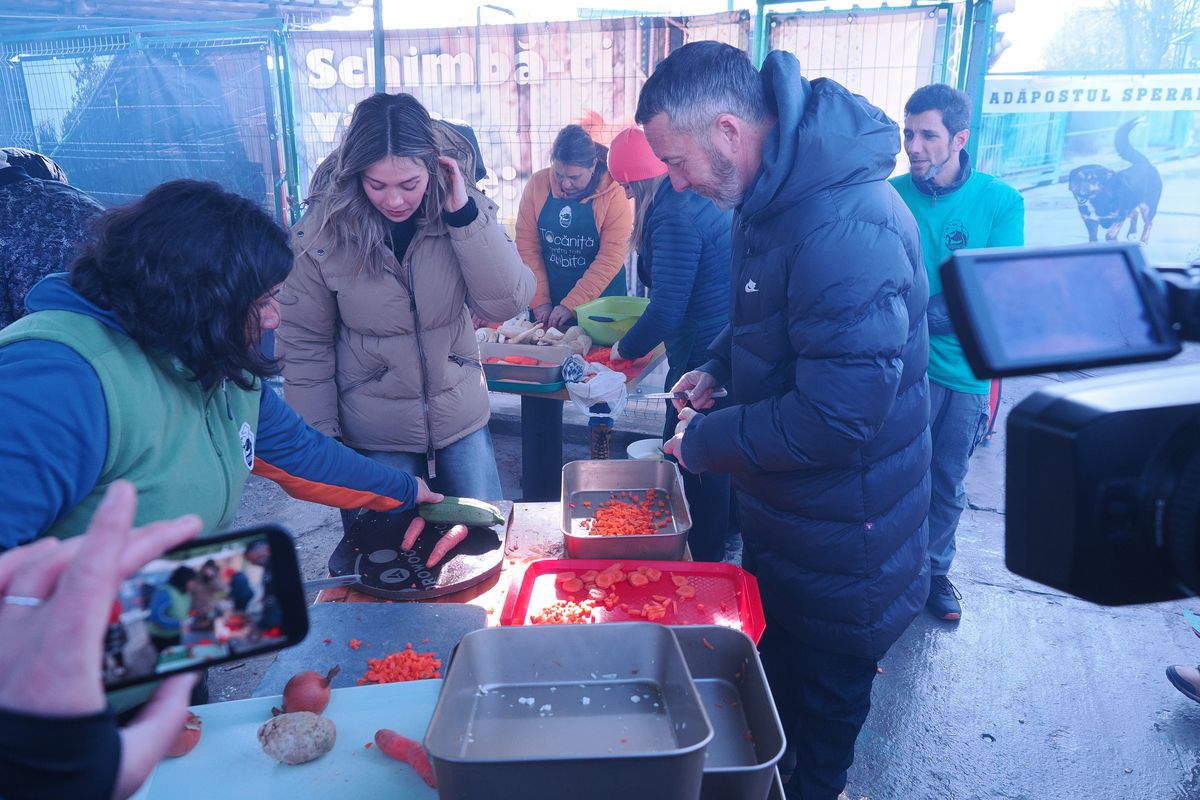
(955, 234)
(247, 436)
(564, 217)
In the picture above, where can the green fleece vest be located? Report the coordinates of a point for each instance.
(188, 451)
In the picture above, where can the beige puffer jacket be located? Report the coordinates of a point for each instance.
(356, 362)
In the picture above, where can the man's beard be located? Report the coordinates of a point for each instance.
(726, 188)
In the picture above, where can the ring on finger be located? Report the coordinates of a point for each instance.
(22, 600)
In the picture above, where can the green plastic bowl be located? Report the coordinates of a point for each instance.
(606, 333)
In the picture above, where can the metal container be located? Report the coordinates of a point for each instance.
(586, 711)
(748, 738)
(593, 481)
(519, 372)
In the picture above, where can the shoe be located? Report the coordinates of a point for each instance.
(1186, 680)
(943, 599)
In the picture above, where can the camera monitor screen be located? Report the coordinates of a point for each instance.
(219, 599)
(1020, 312)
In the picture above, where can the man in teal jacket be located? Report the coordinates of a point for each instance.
(955, 207)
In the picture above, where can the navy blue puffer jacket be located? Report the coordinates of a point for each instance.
(685, 248)
(826, 354)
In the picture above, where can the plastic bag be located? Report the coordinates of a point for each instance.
(594, 384)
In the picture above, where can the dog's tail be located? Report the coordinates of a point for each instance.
(1124, 149)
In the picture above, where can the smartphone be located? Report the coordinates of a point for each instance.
(224, 598)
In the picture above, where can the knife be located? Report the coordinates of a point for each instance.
(680, 395)
(331, 583)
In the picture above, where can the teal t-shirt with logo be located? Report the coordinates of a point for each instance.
(983, 212)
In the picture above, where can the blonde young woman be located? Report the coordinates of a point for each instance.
(393, 255)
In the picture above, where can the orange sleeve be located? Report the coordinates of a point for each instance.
(533, 200)
(323, 493)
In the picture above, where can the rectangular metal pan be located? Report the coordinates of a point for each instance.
(585, 711)
(587, 481)
(517, 372)
(748, 739)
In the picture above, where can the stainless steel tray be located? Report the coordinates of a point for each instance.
(593, 480)
(596, 708)
(518, 372)
(748, 738)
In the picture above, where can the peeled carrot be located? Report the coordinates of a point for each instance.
(446, 543)
(410, 752)
(524, 361)
(412, 532)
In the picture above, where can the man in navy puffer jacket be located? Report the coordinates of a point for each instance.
(825, 354)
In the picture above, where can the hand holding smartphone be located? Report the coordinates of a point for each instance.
(224, 598)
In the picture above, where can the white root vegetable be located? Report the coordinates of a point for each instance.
(297, 738)
(487, 335)
(571, 334)
(552, 336)
(579, 345)
(520, 337)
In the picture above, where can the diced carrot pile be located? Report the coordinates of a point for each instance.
(407, 665)
(625, 514)
(564, 612)
(601, 589)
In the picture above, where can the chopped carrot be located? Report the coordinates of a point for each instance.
(564, 612)
(368, 745)
(406, 665)
(572, 585)
(563, 577)
(355, 644)
(638, 579)
(589, 576)
(327, 641)
(679, 580)
(700, 607)
(653, 574)
(708, 644)
(410, 752)
(686, 591)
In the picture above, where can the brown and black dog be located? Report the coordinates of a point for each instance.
(1107, 198)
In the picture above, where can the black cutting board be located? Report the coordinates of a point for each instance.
(371, 548)
(381, 628)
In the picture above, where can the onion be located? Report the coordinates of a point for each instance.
(187, 738)
(307, 691)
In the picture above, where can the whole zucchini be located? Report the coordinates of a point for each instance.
(461, 511)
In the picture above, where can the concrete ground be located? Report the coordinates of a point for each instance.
(1034, 694)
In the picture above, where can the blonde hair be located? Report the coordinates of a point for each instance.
(382, 125)
(643, 192)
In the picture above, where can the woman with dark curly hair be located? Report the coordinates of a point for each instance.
(142, 364)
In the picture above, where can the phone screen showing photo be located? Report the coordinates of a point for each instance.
(229, 597)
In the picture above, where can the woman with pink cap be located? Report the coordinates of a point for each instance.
(682, 244)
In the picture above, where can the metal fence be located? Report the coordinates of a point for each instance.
(256, 107)
(124, 110)
(883, 54)
(515, 85)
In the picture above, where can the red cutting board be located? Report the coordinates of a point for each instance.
(728, 593)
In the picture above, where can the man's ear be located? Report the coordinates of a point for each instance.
(728, 133)
(960, 138)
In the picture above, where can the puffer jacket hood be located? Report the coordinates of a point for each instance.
(826, 137)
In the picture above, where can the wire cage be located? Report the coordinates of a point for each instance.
(123, 111)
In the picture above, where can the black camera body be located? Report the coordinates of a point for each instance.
(1102, 475)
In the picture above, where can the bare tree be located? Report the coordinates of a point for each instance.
(1148, 30)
